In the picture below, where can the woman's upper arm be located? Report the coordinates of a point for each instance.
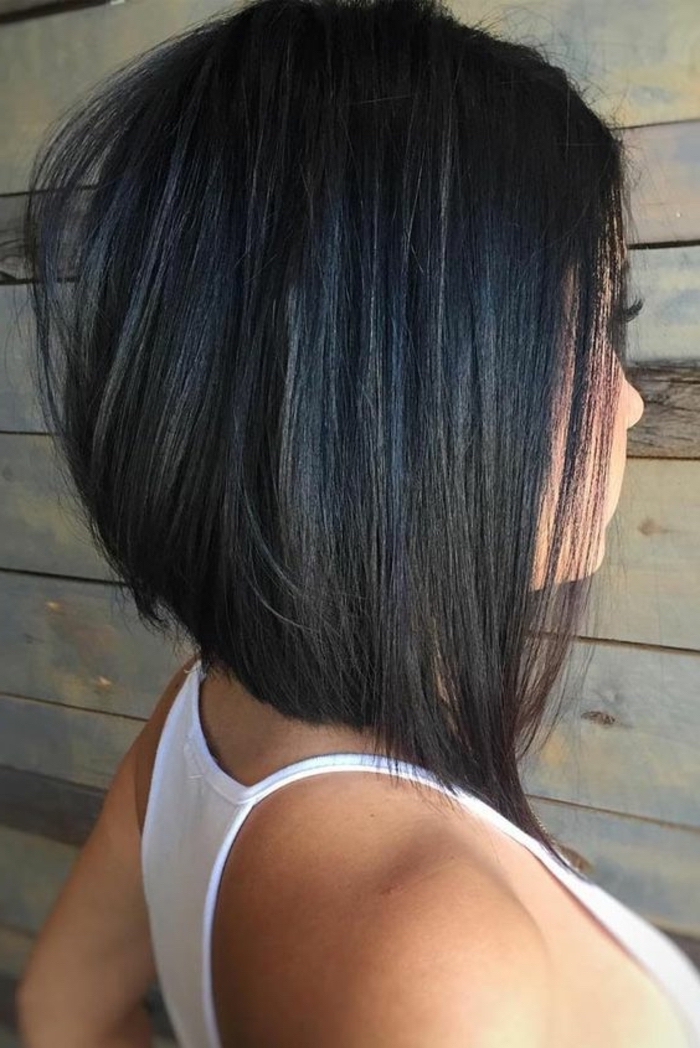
(92, 961)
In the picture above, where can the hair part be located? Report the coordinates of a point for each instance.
(317, 284)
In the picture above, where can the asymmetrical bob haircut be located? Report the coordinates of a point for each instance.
(319, 286)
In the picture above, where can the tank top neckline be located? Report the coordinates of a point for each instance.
(240, 794)
(625, 926)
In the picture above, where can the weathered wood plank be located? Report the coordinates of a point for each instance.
(74, 642)
(49, 807)
(646, 590)
(17, 10)
(668, 329)
(670, 425)
(8, 1016)
(25, 901)
(623, 855)
(15, 947)
(40, 522)
(628, 740)
(665, 201)
(8, 1037)
(62, 742)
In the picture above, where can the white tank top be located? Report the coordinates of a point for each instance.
(194, 812)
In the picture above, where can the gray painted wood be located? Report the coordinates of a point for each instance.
(79, 745)
(56, 808)
(630, 702)
(74, 642)
(668, 328)
(650, 867)
(646, 590)
(627, 702)
(25, 901)
(664, 162)
(628, 739)
(30, 8)
(41, 522)
(670, 425)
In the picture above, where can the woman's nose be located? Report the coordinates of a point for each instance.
(636, 406)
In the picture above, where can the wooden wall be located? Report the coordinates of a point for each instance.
(619, 780)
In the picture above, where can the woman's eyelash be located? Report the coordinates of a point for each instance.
(628, 313)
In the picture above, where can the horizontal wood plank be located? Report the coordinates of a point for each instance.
(646, 589)
(670, 425)
(650, 867)
(667, 331)
(628, 738)
(664, 160)
(48, 807)
(63, 742)
(40, 520)
(25, 901)
(74, 642)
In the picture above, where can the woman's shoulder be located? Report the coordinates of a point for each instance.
(449, 956)
(364, 919)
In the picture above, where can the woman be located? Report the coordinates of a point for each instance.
(339, 377)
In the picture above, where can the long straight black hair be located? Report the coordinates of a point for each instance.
(317, 287)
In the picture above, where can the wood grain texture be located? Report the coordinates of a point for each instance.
(650, 867)
(79, 745)
(40, 521)
(628, 740)
(73, 642)
(646, 590)
(664, 163)
(666, 332)
(25, 901)
(55, 808)
(670, 425)
(18, 10)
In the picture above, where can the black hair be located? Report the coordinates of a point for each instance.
(317, 284)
